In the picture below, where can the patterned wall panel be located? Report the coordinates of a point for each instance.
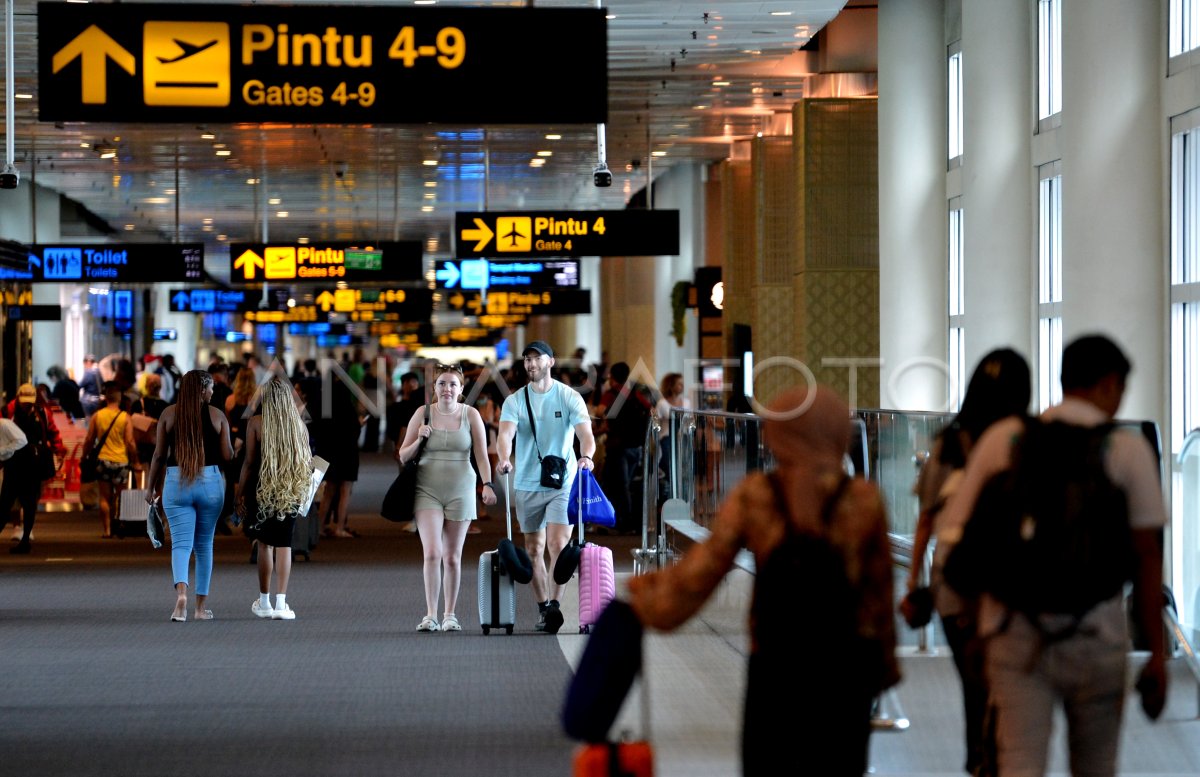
(841, 320)
(738, 274)
(775, 209)
(774, 336)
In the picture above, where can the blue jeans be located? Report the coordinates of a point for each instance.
(192, 510)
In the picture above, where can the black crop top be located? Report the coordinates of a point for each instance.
(212, 443)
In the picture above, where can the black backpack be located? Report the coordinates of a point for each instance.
(1050, 534)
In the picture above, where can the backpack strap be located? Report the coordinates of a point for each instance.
(828, 507)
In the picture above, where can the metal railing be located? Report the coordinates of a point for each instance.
(710, 452)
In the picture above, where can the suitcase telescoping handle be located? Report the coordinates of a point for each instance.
(579, 483)
(508, 504)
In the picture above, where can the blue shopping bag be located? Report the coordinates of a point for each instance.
(596, 507)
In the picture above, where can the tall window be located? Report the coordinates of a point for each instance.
(1185, 26)
(955, 105)
(957, 340)
(1049, 58)
(1049, 284)
(1185, 283)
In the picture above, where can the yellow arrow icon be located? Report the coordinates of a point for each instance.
(325, 300)
(457, 301)
(483, 235)
(93, 46)
(247, 263)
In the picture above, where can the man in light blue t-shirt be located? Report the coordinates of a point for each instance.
(558, 414)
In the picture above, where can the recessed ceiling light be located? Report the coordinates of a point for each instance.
(720, 83)
(274, 201)
(554, 137)
(251, 181)
(430, 163)
(222, 237)
(424, 2)
(283, 214)
(302, 240)
(291, 303)
(430, 196)
(545, 153)
(168, 191)
(427, 209)
(84, 144)
(208, 136)
(206, 228)
(431, 184)
(219, 145)
(701, 107)
(156, 200)
(658, 153)
(23, 96)
(206, 221)
(128, 227)
(224, 152)
(536, 162)
(712, 37)
(611, 16)
(781, 13)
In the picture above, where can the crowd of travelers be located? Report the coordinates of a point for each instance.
(235, 444)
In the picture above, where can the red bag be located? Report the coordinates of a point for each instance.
(614, 759)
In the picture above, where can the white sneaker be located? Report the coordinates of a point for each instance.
(262, 612)
(285, 613)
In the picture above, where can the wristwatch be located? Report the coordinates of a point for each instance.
(490, 485)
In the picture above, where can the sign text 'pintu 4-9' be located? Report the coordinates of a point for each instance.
(346, 64)
(567, 233)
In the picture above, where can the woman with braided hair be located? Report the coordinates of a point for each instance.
(274, 484)
(193, 445)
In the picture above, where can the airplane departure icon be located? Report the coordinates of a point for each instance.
(514, 233)
(513, 236)
(189, 50)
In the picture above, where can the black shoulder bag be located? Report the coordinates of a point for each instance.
(400, 497)
(554, 468)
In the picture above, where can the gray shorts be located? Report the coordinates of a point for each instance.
(537, 508)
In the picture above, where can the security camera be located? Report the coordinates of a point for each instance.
(9, 177)
(601, 176)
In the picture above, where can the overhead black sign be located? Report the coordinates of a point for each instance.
(341, 64)
(559, 302)
(111, 262)
(325, 262)
(35, 313)
(226, 300)
(505, 234)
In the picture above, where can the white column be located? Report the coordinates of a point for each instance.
(1114, 271)
(998, 179)
(912, 197)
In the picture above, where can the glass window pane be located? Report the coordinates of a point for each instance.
(955, 104)
(956, 288)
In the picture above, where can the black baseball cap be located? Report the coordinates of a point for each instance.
(539, 346)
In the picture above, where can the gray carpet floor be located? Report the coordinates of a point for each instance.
(97, 681)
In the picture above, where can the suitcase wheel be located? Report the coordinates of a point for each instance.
(585, 629)
(508, 630)
(487, 630)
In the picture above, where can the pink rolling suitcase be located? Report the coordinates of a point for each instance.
(597, 581)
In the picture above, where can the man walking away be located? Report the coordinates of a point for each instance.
(1046, 644)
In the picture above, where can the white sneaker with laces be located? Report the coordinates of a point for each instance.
(260, 611)
(285, 613)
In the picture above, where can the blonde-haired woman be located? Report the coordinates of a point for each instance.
(193, 445)
(445, 503)
(274, 483)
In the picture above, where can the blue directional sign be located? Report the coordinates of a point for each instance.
(480, 274)
(114, 262)
(226, 301)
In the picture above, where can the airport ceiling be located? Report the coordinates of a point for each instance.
(685, 80)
